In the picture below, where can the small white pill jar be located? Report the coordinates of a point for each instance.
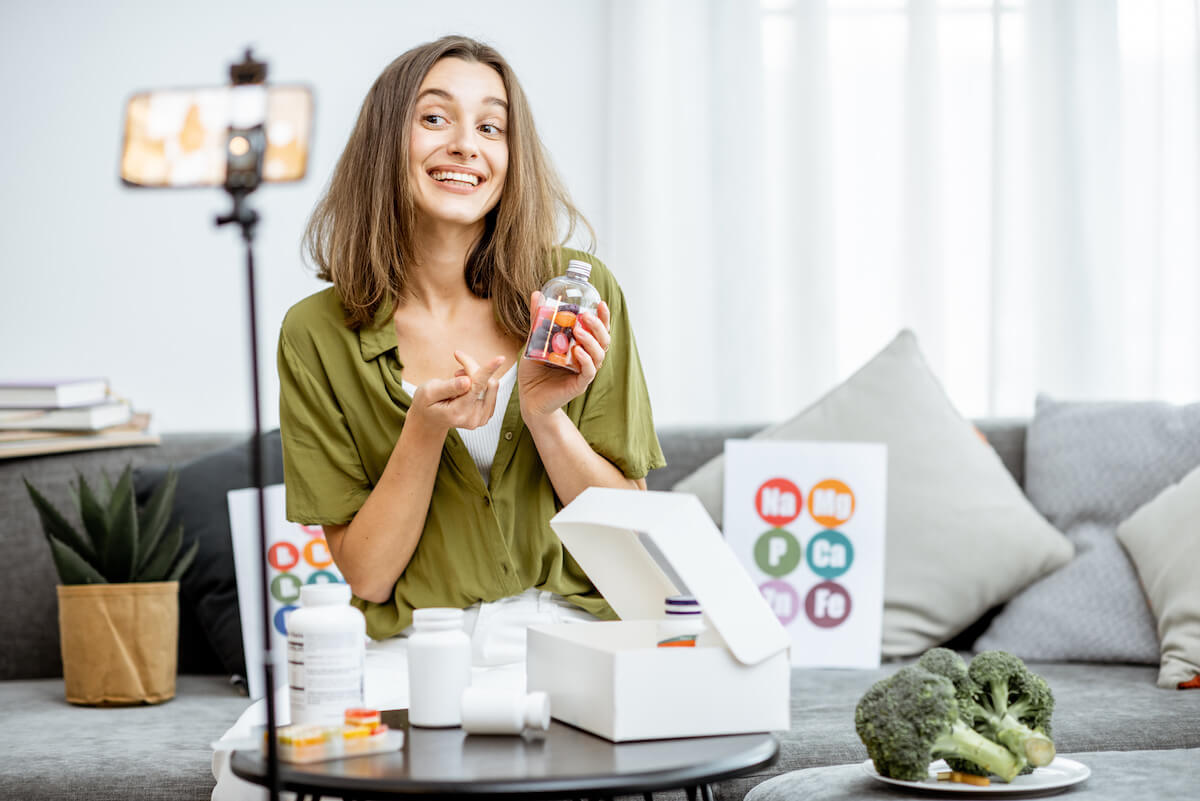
(439, 667)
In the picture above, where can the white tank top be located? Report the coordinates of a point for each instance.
(482, 442)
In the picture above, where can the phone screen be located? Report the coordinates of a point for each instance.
(177, 137)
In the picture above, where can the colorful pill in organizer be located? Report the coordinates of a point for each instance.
(553, 335)
(362, 717)
(308, 742)
(301, 743)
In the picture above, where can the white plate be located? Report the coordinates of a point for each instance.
(1057, 775)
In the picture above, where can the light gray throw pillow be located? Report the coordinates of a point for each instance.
(961, 537)
(1088, 467)
(1163, 539)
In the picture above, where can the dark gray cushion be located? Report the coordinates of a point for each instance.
(201, 504)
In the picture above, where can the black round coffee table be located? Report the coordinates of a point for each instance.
(563, 762)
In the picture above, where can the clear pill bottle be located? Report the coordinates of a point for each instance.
(439, 667)
(326, 649)
(682, 623)
(492, 710)
(552, 329)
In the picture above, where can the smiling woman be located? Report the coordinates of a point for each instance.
(433, 464)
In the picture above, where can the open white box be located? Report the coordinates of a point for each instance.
(610, 678)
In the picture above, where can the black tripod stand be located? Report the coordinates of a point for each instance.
(245, 147)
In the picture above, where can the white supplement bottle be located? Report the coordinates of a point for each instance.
(326, 651)
(439, 667)
(682, 623)
(491, 710)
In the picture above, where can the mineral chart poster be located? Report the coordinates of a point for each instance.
(808, 519)
(296, 555)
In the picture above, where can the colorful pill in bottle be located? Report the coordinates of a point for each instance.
(682, 623)
(552, 329)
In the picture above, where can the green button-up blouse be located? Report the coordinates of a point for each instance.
(341, 409)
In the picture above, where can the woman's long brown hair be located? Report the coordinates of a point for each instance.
(360, 235)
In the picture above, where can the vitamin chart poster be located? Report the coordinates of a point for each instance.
(296, 555)
(807, 520)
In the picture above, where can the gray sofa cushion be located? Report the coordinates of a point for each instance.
(688, 447)
(1098, 707)
(53, 750)
(1116, 775)
(1089, 466)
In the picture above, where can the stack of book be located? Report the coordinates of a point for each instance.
(57, 415)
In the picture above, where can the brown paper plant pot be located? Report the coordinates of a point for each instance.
(118, 600)
(119, 642)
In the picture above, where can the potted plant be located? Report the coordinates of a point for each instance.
(118, 603)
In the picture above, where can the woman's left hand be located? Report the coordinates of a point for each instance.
(545, 389)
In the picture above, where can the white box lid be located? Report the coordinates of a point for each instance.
(601, 529)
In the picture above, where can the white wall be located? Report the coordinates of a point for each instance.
(140, 286)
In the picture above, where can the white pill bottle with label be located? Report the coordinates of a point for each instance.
(326, 654)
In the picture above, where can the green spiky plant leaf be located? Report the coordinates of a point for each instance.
(184, 562)
(119, 553)
(56, 526)
(91, 511)
(73, 568)
(164, 555)
(119, 543)
(153, 517)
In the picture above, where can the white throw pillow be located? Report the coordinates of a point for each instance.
(1163, 540)
(961, 536)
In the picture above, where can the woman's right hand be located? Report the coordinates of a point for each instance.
(465, 401)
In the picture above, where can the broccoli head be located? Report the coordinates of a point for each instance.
(980, 717)
(1015, 703)
(944, 662)
(911, 718)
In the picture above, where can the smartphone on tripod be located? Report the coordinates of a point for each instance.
(180, 138)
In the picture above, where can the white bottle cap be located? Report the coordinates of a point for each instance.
(579, 267)
(326, 594)
(537, 711)
(681, 605)
(438, 618)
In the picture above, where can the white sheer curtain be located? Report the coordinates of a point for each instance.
(793, 181)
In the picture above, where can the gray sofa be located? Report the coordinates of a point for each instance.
(53, 750)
